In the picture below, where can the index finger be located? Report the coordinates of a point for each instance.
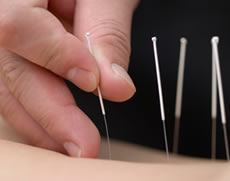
(32, 32)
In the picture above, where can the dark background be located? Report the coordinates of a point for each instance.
(138, 120)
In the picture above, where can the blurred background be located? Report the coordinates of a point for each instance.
(138, 120)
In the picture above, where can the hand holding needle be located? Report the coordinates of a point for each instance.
(87, 35)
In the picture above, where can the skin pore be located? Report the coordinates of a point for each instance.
(131, 162)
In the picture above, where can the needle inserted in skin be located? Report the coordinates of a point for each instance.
(179, 94)
(101, 101)
(154, 39)
(215, 41)
(213, 107)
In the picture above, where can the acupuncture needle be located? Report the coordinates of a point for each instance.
(215, 41)
(87, 35)
(213, 107)
(179, 94)
(154, 39)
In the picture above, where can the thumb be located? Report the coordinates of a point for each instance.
(109, 23)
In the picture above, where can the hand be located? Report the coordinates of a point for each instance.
(42, 42)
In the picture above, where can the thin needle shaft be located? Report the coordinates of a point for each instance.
(215, 41)
(87, 35)
(179, 94)
(213, 107)
(154, 39)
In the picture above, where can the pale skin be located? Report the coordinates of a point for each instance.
(42, 42)
(22, 162)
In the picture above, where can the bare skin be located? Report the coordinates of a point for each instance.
(42, 42)
(132, 162)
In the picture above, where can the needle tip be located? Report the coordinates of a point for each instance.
(215, 39)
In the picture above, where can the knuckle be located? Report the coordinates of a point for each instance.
(46, 121)
(9, 70)
(110, 33)
(53, 123)
(50, 55)
(49, 122)
(12, 73)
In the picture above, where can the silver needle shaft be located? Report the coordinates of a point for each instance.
(179, 94)
(154, 39)
(215, 41)
(213, 107)
(87, 35)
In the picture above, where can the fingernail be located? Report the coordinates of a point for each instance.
(83, 79)
(120, 71)
(72, 149)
